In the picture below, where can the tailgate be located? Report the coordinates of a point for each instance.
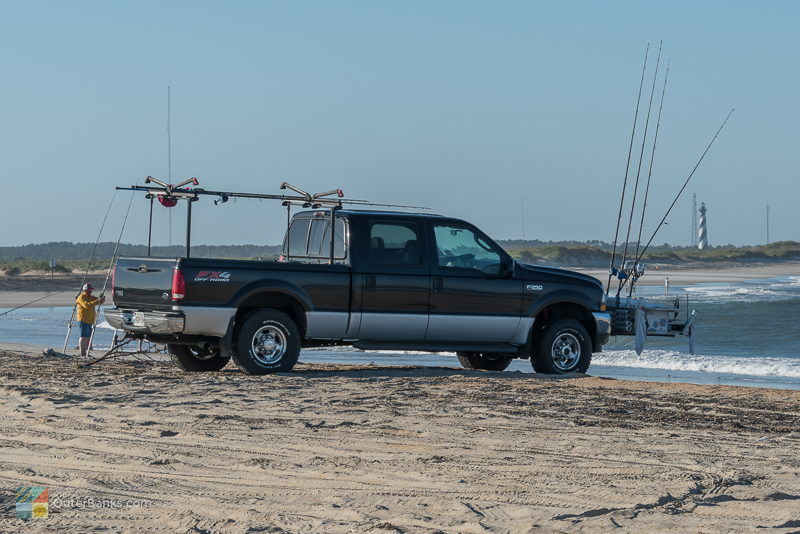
(143, 283)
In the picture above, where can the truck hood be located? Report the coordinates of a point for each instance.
(540, 273)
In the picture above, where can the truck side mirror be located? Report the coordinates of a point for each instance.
(508, 268)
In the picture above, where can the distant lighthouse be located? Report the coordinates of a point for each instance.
(702, 236)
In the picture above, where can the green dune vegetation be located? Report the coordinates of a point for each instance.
(74, 257)
(599, 255)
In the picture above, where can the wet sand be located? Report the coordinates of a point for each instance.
(343, 448)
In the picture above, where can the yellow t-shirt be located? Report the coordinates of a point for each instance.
(86, 306)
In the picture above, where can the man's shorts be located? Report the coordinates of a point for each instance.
(86, 329)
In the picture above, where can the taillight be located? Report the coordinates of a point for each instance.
(178, 285)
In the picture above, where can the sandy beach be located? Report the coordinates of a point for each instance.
(60, 290)
(379, 449)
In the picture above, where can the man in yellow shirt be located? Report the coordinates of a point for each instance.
(86, 306)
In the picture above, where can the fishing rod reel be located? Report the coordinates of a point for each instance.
(631, 270)
(166, 196)
(634, 270)
(317, 200)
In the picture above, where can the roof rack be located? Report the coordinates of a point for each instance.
(168, 195)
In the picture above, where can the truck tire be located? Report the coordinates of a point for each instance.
(562, 347)
(267, 342)
(196, 359)
(484, 361)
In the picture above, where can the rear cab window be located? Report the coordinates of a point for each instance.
(308, 239)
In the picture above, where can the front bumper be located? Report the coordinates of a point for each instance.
(602, 322)
(148, 322)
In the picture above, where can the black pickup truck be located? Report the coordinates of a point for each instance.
(386, 280)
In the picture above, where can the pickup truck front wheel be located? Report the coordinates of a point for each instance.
(562, 347)
(197, 359)
(484, 361)
(268, 342)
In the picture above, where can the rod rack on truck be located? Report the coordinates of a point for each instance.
(168, 195)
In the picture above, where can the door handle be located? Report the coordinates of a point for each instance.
(369, 282)
(438, 284)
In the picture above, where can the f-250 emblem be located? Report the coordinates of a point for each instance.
(213, 276)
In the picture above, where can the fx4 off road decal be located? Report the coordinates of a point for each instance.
(213, 276)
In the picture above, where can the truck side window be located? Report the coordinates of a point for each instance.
(461, 247)
(394, 244)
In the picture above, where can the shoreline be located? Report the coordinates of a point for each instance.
(707, 275)
(22, 289)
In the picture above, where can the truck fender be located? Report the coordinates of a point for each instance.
(271, 286)
(559, 296)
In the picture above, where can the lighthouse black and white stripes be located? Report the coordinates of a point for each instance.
(702, 237)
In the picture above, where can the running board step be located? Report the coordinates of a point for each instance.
(434, 347)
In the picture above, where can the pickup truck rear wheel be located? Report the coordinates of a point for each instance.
(197, 359)
(562, 347)
(268, 342)
(484, 361)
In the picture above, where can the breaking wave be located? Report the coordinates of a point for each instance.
(785, 288)
(676, 361)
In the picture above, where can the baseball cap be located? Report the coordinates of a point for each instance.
(87, 286)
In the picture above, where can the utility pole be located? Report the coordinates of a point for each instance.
(767, 223)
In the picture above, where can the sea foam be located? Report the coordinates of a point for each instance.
(676, 361)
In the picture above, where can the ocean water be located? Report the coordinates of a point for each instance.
(746, 334)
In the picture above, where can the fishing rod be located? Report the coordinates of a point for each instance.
(660, 224)
(639, 170)
(627, 168)
(650, 170)
(33, 301)
(108, 274)
(88, 267)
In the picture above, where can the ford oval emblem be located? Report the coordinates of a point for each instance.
(165, 296)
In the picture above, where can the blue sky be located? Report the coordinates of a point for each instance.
(474, 109)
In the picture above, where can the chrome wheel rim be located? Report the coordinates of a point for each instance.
(268, 345)
(566, 351)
